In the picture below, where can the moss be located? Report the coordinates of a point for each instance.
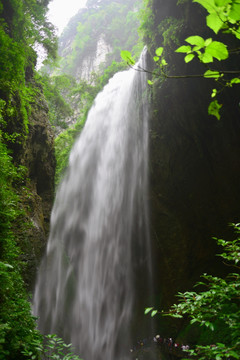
(170, 29)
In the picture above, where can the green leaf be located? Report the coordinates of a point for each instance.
(221, 3)
(235, 12)
(159, 51)
(235, 81)
(184, 49)
(206, 58)
(156, 58)
(214, 108)
(214, 22)
(197, 48)
(211, 74)
(218, 50)
(163, 62)
(147, 310)
(236, 32)
(4, 265)
(127, 56)
(189, 58)
(209, 5)
(153, 313)
(233, 354)
(208, 41)
(196, 40)
(150, 82)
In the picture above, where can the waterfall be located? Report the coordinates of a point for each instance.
(95, 275)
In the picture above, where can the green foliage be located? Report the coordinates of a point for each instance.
(127, 56)
(55, 90)
(22, 26)
(214, 108)
(222, 15)
(112, 23)
(50, 347)
(63, 145)
(169, 28)
(217, 308)
(17, 326)
(205, 50)
(146, 17)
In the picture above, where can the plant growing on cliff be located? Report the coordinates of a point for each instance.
(223, 15)
(17, 326)
(23, 25)
(217, 308)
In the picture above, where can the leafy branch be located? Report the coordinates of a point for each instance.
(222, 15)
(219, 303)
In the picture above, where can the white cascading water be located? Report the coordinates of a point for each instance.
(91, 279)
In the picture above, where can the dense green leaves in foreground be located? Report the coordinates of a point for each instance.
(216, 308)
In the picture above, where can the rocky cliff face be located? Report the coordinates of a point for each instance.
(37, 156)
(91, 62)
(194, 168)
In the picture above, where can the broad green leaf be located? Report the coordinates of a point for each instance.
(221, 3)
(218, 50)
(206, 58)
(209, 5)
(159, 51)
(214, 22)
(211, 74)
(197, 48)
(156, 58)
(127, 56)
(184, 49)
(235, 12)
(235, 81)
(150, 82)
(189, 58)
(208, 41)
(214, 108)
(195, 40)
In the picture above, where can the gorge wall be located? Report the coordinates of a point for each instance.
(194, 163)
(37, 155)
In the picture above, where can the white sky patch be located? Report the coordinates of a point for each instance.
(60, 12)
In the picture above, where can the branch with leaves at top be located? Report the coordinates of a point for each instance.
(222, 15)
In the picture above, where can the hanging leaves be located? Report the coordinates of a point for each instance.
(127, 56)
(214, 108)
